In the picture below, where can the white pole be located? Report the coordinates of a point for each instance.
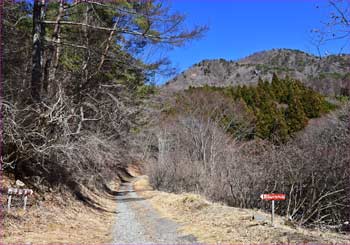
(9, 203)
(273, 212)
(25, 203)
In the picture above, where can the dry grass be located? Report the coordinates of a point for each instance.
(216, 223)
(142, 184)
(60, 219)
(134, 169)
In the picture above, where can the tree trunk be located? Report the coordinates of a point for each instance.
(55, 51)
(103, 56)
(86, 62)
(38, 36)
(87, 51)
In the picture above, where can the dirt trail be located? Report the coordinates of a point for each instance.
(138, 223)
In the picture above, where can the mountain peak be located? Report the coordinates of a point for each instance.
(329, 75)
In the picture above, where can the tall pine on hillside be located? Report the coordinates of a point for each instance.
(295, 115)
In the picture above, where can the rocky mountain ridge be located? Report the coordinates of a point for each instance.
(329, 75)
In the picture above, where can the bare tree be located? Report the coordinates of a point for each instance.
(196, 155)
(337, 27)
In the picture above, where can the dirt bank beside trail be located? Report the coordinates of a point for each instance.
(217, 223)
(54, 218)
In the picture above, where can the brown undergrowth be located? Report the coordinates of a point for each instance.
(216, 223)
(59, 218)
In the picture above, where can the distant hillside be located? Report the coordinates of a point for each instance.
(271, 110)
(329, 75)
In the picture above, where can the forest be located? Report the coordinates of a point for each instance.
(271, 110)
(79, 104)
(232, 143)
(74, 84)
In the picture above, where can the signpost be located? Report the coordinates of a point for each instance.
(18, 192)
(273, 197)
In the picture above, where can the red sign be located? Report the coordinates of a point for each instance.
(273, 197)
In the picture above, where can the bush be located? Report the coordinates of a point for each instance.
(195, 155)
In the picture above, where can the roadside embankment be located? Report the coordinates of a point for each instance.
(216, 223)
(53, 218)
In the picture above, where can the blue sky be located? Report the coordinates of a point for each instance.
(241, 27)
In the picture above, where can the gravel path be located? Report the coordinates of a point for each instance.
(138, 223)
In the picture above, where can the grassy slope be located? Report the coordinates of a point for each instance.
(58, 219)
(216, 223)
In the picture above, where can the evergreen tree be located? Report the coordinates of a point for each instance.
(312, 103)
(264, 122)
(280, 127)
(247, 95)
(295, 115)
(276, 87)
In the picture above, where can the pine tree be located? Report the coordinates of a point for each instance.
(276, 87)
(295, 115)
(247, 95)
(312, 103)
(263, 124)
(280, 127)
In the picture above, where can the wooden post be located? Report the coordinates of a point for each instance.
(273, 197)
(9, 203)
(273, 212)
(25, 202)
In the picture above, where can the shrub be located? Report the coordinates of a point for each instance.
(195, 155)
